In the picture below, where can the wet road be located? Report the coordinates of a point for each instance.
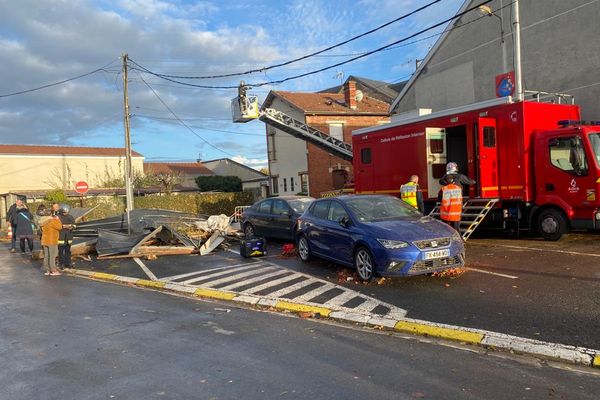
(68, 337)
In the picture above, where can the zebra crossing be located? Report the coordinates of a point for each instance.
(259, 277)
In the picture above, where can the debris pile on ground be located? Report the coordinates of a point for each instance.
(289, 250)
(450, 273)
(151, 233)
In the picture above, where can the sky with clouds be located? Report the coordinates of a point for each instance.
(46, 41)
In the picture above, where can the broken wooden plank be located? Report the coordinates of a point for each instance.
(216, 239)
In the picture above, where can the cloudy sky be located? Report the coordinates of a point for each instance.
(48, 41)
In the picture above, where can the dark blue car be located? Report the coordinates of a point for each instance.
(275, 217)
(377, 235)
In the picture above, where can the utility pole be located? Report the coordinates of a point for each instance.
(128, 177)
(517, 51)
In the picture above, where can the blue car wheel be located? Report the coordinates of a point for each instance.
(303, 249)
(363, 262)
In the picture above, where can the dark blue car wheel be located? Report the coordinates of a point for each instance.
(249, 230)
(303, 249)
(363, 262)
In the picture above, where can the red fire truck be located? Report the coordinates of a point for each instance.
(538, 159)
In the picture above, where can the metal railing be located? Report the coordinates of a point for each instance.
(550, 97)
(237, 213)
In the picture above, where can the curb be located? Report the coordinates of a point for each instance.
(486, 339)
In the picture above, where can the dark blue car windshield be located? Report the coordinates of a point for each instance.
(380, 208)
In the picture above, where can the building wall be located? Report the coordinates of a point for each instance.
(228, 168)
(29, 172)
(322, 164)
(289, 158)
(560, 53)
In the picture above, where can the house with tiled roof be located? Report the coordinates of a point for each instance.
(296, 166)
(187, 171)
(37, 168)
(252, 180)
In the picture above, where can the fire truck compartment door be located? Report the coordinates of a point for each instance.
(436, 159)
(487, 157)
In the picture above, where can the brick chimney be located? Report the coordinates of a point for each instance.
(350, 94)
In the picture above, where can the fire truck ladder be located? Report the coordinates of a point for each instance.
(474, 212)
(302, 131)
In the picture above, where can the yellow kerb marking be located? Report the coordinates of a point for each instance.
(285, 305)
(434, 331)
(214, 294)
(596, 362)
(102, 275)
(147, 283)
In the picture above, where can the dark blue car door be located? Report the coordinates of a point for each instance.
(315, 227)
(337, 237)
(263, 218)
(282, 219)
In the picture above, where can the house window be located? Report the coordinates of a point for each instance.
(271, 144)
(292, 183)
(275, 185)
(304, 183)
(336, 130)
(285, 184)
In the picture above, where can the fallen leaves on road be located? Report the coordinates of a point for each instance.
(450, 273)
(289, 250)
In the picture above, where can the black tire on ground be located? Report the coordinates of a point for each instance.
(303, 249)
(551, 224)
(364, 264)
(249, 231)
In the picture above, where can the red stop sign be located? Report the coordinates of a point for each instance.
(81, 187)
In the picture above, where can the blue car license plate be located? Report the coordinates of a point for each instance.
(430, 255)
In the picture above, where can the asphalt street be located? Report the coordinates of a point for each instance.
(68, 337)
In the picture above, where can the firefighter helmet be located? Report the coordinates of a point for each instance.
(64, 209)
(451, 168)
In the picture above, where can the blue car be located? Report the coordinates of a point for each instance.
(377, 235)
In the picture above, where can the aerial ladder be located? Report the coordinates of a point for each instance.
(245, 108)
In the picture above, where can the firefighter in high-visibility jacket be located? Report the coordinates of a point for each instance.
(411, 193)
(451, 208)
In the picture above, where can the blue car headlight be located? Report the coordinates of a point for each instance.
(393, 244)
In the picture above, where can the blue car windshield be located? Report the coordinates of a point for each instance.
(299, 205)
(380, 208)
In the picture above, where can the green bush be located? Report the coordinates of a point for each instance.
(55, 196)
(222, 183)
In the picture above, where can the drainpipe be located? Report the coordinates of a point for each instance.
(517, 51)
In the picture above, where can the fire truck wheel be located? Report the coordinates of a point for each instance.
(363, 262)
(303, 249)
(551, 224)
(249, 231)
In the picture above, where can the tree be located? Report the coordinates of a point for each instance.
(264, 171)
(168, 180)
(220, 183)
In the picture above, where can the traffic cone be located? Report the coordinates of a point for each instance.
(9, 234)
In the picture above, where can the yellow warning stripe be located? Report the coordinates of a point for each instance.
(434, 331)
(215, 294)
(286, 305)
(596, 362)
(102, 275)
(147, 283)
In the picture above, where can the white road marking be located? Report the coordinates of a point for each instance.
(256, 279)
(267, 285)
(290, 289)
(575, 253)
(317, 292)
(241, 275)
(205, 276)
(145, 269)
(492, 273)
(344, 297)
(173, 277)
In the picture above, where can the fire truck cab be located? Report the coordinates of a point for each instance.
(537, 159)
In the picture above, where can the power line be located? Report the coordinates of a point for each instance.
(143, 69)
(181, 121)
(263, 69)
(60, 82)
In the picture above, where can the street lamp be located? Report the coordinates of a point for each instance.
(486, 10)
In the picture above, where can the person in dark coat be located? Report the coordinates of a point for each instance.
(11, 218)
(65, 237)
(24, 230)
(457, 178)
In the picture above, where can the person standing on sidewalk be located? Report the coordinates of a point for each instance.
(66, 236)
(11, 218)
(51, 228)
(24, 230)
(451, 208)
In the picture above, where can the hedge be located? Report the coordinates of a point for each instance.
(194, 203)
